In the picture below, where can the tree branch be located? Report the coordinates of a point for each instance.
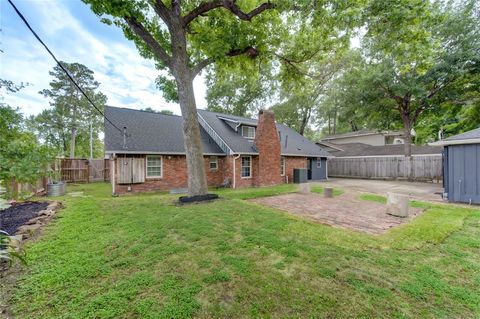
(230, 5)
(291, 63)
(176, 7)
(163, 12)
(248, 51)
(149, 40)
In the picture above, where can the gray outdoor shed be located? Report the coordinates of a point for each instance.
(461, 167)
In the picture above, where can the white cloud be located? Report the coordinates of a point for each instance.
(126, 78)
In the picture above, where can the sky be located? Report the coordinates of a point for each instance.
(74, 34)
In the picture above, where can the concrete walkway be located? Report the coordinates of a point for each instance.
(421, 191)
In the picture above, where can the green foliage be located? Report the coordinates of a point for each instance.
(8, 252)
(419, 67)
(166, 112)
(71, 114)
(142, 256)
(22, 157)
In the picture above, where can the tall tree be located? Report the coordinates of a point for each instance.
(184, 37)
(415, 51)
(292, 75)
(71, 115)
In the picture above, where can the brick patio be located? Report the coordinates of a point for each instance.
(346, 210)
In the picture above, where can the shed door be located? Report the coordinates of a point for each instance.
(464, 173)
(130, 170)
(318, 168)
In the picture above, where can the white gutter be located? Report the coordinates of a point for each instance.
(326, 169)
(219, 137)
(234, 173)
(456, 142)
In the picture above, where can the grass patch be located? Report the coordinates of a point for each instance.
(140, 256)
(320, 189)
(374, 198)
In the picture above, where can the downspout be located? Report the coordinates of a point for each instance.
(326, 168)
(236, 127)
(113, 175)
(234, 173)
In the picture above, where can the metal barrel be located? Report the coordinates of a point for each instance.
(57, 189)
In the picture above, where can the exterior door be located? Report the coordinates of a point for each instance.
(317, 168)
(309, 169)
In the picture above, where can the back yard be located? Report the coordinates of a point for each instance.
(141, 256)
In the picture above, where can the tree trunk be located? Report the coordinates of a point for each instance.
(72, 142)
(407, 128)
(197, 179)
(74, 133)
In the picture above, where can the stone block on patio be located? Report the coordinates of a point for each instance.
(304, 188)
(397, 205)
(328, 192)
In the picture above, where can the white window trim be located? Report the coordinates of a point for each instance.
(254, 131)
(210, 163)
(241, 167)
(319, 162)
(282, 158)
(146, 167)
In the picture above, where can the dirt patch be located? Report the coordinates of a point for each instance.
(347, 211)
(18, 214)
(25, 220)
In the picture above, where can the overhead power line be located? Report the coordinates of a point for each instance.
(61, 66)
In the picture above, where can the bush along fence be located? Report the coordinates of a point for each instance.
(419, 167)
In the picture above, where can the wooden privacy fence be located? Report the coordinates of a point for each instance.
(419, 167)
(80, 170)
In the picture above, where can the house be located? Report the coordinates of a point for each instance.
(352, 150)
(238, 151)
(358, 160)
(375, 138)
(461, 172)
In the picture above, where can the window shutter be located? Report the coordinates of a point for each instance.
(138, 166)
(124, 170)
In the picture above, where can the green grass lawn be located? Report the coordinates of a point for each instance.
(141, 256)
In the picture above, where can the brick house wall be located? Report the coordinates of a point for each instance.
(292, 162)
(241, 182)
(174, 175)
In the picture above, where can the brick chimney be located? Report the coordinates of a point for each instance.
(268, 146)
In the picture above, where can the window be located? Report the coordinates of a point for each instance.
(248, 131)
(154, 166)
(213, 162)
(319, 162)
(282, 166)
(246, 166)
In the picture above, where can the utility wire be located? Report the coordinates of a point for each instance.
(61, 66)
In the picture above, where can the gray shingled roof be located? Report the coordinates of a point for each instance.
(296, 144)
(361, 149)
(465, 136)
(160, 133)
(149, 132)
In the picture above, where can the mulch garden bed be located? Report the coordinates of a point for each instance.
(18, 214)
